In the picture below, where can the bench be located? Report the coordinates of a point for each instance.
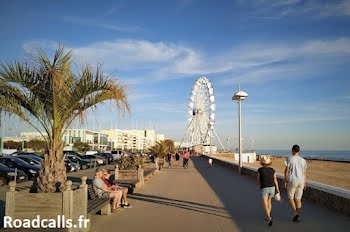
(96, 204)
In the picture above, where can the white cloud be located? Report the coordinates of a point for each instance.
(266, 62)
(277, 9)
(94, 23)
(110, 11)
(126, 53)
(254, 62)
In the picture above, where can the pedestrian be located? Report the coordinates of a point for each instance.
(186, 157)
(210, 162)
(295, 181)
(177, 158)
(169, 160)
(266, 178)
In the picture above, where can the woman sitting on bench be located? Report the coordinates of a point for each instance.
(112, 186)
(102, 191)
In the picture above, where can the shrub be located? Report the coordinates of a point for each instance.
(130, 162)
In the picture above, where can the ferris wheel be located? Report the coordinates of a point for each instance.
(201, 114)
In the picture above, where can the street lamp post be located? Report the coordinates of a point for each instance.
(210, 138)
(227, 146)
(240, 96)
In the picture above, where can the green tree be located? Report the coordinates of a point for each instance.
(49, 95)
(13, 145)
(81, 146)
(36, 144)
(162, 148)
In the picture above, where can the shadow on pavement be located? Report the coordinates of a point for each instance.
(242, 199)
(188, 205)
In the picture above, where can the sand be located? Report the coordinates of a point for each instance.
(327, 172)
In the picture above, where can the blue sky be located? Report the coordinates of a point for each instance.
(292, 57)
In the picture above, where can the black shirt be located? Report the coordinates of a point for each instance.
(266, 177)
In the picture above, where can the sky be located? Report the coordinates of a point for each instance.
(292, 57)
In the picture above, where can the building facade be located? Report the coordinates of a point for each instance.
(133, 140)
(96, 140)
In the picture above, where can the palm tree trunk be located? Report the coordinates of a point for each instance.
(52, 175)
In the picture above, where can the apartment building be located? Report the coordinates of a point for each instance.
(135, 140)
(96, 140)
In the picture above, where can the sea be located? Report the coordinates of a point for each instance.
(337, 155)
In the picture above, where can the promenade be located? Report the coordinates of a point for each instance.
(210, 199)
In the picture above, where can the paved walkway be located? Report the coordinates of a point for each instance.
(210, 199)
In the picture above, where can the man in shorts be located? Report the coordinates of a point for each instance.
(102, 191)
(295, 181)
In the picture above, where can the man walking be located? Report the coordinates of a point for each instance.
(295, 181)
(169, 159)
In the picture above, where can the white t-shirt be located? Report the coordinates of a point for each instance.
(210, 161)
(297, 166)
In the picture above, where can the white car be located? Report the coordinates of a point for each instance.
(90, 152)
(117, 154)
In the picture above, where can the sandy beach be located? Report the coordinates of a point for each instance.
(327, 172)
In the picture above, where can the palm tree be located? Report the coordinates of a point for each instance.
(49, 96)
(162, 148)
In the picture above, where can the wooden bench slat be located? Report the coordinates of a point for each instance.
(95, 204)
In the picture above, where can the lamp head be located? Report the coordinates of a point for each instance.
(240, 95)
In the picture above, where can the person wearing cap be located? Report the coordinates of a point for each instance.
(115, 187)
(266, 178)
(102, 191)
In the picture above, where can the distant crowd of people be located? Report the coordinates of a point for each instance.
(186, 157)
(294, 182)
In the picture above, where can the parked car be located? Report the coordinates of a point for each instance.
(32, 171)
(117, 154)
(91, 153)
(29, 154)
(8, 174)
(84, 164)
(29, 159)
(106, 156)
(71, 153)
(71, 166)
(93, 158)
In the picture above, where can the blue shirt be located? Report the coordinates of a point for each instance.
(297, 166)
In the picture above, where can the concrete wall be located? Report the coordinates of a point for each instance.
(336, 199)
(26, 205)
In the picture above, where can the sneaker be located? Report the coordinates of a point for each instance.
(296, 218)
(127, 206)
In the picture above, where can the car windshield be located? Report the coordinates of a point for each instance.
(75, 157)
(29, 159)
(2, 166)
(19, 161)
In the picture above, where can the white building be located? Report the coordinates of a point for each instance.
(25, 136)
(135, 140)
(96, 140)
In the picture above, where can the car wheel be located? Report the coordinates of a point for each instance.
(2, 181)
(84, 167)
(25, 177)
